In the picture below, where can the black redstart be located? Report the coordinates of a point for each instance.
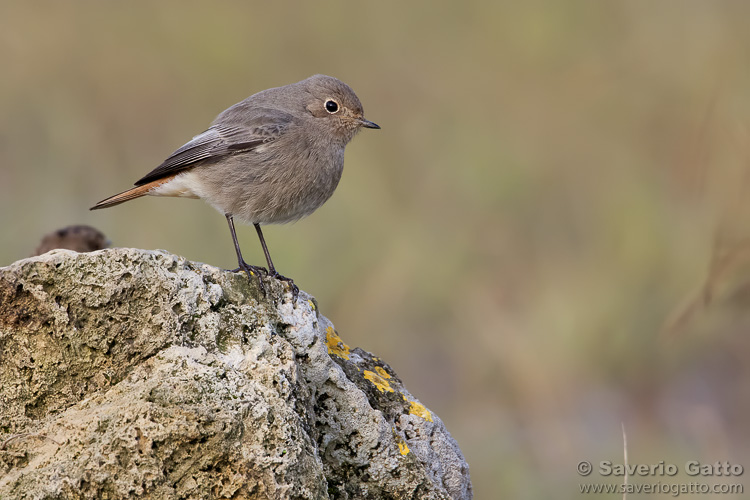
(273, 158)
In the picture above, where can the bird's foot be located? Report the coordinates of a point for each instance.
(295, 288)
(251, 271)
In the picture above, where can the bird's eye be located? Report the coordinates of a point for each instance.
(332, 106)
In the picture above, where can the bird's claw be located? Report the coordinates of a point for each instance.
(259, 272)
(295, 288)
(251, 271)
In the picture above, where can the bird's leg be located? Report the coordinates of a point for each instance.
(272, 270)
(244, 266)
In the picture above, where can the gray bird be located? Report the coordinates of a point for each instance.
(273, 158)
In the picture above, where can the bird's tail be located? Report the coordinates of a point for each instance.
(128, 195)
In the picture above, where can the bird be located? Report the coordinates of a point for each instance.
(272, 158)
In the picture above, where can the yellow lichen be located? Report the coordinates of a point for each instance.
(381, 383)
(335, 345)
(382, 372)
(420, 411)
(312, 304)
(402, 448)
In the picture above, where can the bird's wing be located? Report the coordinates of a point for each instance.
(239, 131)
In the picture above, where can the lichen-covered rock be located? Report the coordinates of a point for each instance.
(131, 373)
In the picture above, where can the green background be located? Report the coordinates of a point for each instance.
(548, 239)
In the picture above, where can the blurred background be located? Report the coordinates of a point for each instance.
(548, 239)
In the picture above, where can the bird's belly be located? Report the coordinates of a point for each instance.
(281, 203)
(274, 194)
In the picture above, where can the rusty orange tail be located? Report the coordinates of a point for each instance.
(130, 194)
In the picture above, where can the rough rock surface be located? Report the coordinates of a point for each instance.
(131, 373)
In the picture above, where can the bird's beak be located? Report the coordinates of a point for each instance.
(368, 124)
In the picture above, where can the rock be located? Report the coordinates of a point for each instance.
(132, 373)
(80, 238)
